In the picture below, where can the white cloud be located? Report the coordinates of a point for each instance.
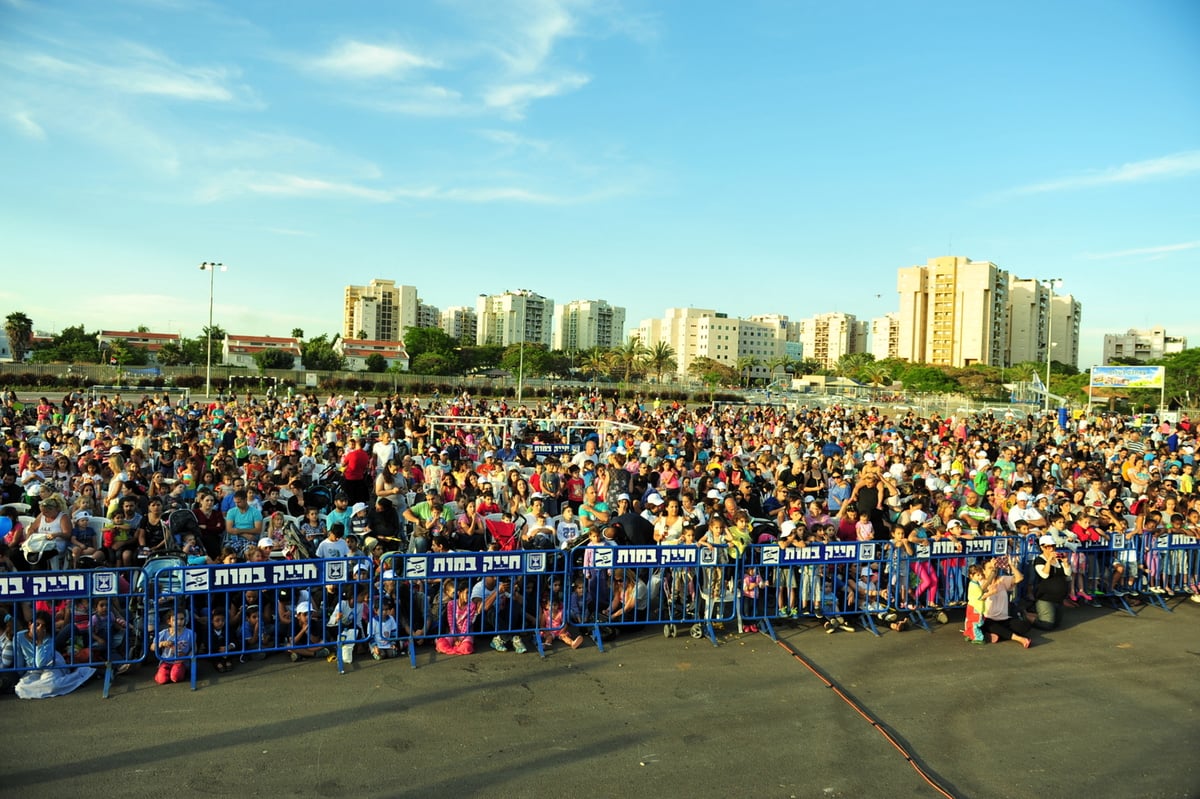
(27, 125)
(513, 98)
(1169, 166)
(363, 60)
(300, 186)
(1159, 251)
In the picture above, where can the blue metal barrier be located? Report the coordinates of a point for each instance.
(102, 625)
(695, 586)
(309, 608)
(836, 581)
(933, 574)
(1172, 566)
(452, 598)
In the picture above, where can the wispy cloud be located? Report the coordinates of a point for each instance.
(1170, 166)
(1159, 251)
(25, 123)
(300, 186)
(513, 140)
(512, 99)
(143, 71)
(356, 59)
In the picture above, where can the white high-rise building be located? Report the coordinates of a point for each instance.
(513, 317)
(704, 333)
(383, 311)
(460, 322)
(584, 324)
(885, 336)
(1142, 345)
(953, 312)
(829, 336)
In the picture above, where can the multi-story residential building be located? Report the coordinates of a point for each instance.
(584, 324)
(513, 317)
(704, 333)
(953, 312)
(829, 336)
(885, 336)
(460, 322)
(383, 311)
(1142, 345)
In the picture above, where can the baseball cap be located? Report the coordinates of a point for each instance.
(1023, 496)
(303, 607)
(358, 507)
(655, 499)
(1046, 541)
(266, 542)
(44, 446)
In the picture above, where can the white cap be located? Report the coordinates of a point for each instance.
(303, 607)
(266, 542)
(655, 499)
(44, 446)
(1023, 496)
(358, 507)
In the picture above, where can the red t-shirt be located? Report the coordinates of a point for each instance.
(356, 462)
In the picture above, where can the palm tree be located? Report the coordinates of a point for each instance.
(1023, 372)
(779, 362)
(744, 365)
(850, 364)
(297, 332)
(628, 356)
(877, 374)
(661, 358)
(19, 328)
(594, 363)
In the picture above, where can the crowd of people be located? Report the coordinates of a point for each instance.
(94, 480)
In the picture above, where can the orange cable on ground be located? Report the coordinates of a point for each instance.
(917, 767)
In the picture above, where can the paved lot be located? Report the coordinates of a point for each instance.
(1107, 707)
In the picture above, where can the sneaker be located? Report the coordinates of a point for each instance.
(1195, 598)
(499, 645)
(294, 656)
(830, 627)
(1154, 589)
(941, 617)
(844, 627)
(518, 645)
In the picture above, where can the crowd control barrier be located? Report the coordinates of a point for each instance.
(99, 620)
(690, 586)
(452, 598)
(240, 611)
(931, 575)
(113, 617)
(834, 580)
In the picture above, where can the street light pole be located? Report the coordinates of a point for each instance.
(211, 268)
(1049, 330)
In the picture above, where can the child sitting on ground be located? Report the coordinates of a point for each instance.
(173, 646)
(554, 625)
(461, 613)
(384, 630)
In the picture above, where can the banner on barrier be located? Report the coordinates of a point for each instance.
(465, 564)
(625, 556)
(280, 574)
(59, 585)
(819, 553)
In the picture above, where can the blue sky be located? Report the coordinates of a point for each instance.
(753, 157)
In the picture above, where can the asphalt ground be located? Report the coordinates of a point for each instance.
(1105, 707)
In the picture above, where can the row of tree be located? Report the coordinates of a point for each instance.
(434, 352)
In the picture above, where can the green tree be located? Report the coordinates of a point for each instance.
(171, 354)
(297, 332)
(274, 359)
(628, 356)
(745, 366)
(778, 362)
(877, 374)
(420, 340)
(319, 355)
(433, 363)
(72, 345)
(712, 372)
(19, 329)
(594, 363)
(660, 358)
(475, 359)
(537, 360)
(376, 362)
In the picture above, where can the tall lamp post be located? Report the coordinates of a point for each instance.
(211, 268)
(1051, 284)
